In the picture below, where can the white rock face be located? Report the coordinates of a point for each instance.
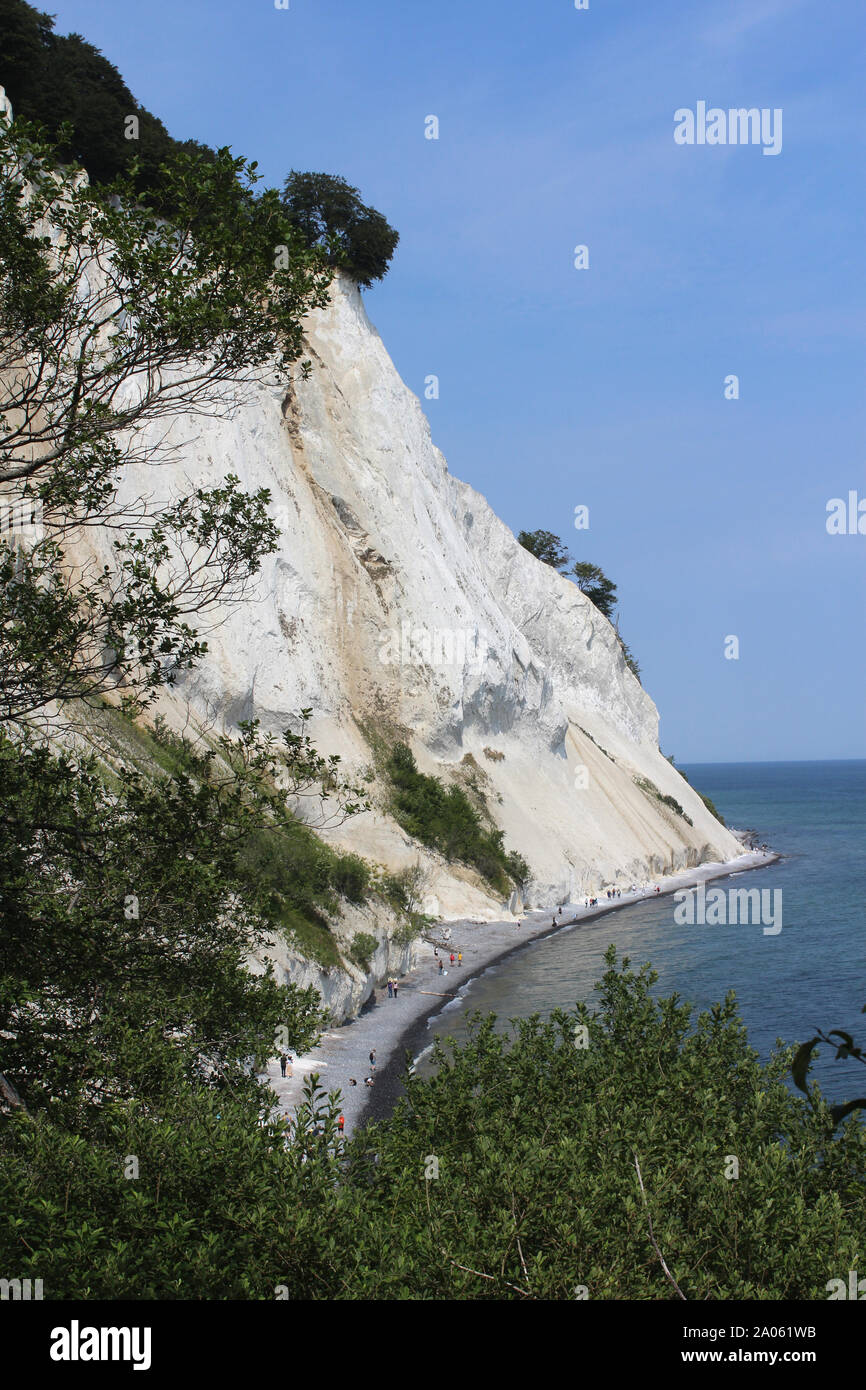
(397, 595)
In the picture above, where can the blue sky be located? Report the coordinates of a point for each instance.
(601, 387)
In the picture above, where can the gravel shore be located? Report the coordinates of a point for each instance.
(395, 1027)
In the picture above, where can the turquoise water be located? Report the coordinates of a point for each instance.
(811, 975)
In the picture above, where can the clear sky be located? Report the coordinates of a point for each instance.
(603, 386)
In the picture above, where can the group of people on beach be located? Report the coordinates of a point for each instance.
(455, 960)
(608, 893)
(617, 893)
(392, 989)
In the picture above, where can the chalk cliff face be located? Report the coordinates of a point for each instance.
(398, 599)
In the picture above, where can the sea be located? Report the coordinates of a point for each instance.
(811, 975)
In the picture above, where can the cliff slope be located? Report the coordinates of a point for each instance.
(398, 601)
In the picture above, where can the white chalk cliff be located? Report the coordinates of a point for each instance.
(398, 598)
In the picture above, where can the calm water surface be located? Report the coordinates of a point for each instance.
(812, 975)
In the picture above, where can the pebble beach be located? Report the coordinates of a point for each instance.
(397, 1027)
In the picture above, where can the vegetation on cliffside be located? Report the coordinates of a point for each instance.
(69, 88)
(131, 899)
(443, 818)
(589, 578)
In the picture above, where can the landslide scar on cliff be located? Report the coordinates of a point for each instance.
(291, 413)
(378, 568)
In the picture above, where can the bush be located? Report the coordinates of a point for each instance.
(630, 659)
(711, 808)
(705, 799)
(652, 790)
(594, 1152)
(517, 867)
(546, 547)
(350, 877)
(445, 819)
(592, 581)
(300, 880)
(362, 949)
(561, 1166)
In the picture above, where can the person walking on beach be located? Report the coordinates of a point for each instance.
(395, 989)
(459, 957)
(283, 1060)
(441, 968)
(390, 989)
(452, 957)
(341, 1124)
(373, 1058)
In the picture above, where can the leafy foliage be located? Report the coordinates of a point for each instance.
(628, 656)
(445, 819)
(546, 547)
(118, 944)
(846, 1049)
(363, 946)
(555, 1162)
(593, 582)
(129, 1018)
(590, 579)
(328, 213)
(652, 790)
(710, 805)
(121, 321)
(537, 1139)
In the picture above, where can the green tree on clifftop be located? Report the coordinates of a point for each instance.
(328, 213)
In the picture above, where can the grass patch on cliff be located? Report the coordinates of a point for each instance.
(314, 939)
(363, 946)
(652, 790)
(705, 799)
(301, 877)
(444, 819)
(596, 742)
(709, 805)
(303, 880)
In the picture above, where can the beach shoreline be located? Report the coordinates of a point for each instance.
(395, 1027)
